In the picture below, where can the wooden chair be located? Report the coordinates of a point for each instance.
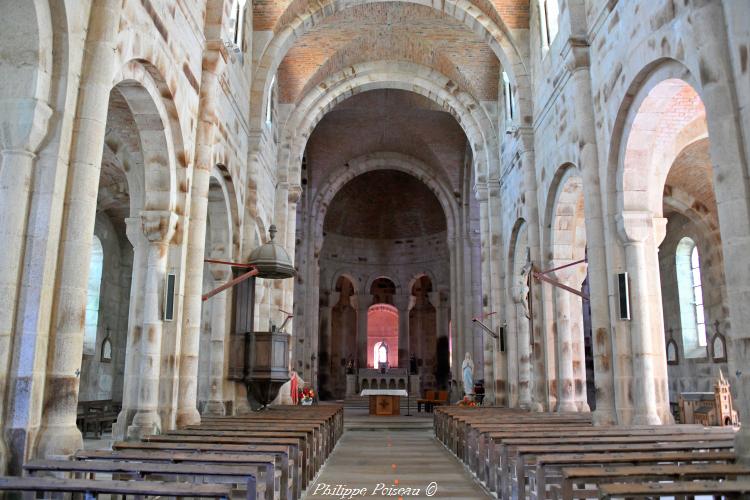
(429, 396)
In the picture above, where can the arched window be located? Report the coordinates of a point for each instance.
(237, 20)
(510, 111)
(548, 22)
(269, 102)
(92, 297)
(690, 290)
(380, 354)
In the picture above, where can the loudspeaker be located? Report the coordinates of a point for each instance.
(169, 297)
(623, 295)
(502, 338)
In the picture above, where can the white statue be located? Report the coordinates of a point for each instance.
(467, 369)
(523, 287)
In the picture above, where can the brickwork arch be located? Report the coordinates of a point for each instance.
(372, 76)
(495, 34)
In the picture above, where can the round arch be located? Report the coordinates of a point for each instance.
(345, 275)
(222, 180)
(374, 76)
(381, 161)
(495, 34)
(155, 116)
(374, 277)
(565, 200)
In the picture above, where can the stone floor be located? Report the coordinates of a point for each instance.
(378, 455)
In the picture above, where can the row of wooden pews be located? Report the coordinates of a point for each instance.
(519, 454)
(271, 455)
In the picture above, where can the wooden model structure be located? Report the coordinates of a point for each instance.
(710, 409)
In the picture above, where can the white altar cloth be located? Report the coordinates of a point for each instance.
(384, 392)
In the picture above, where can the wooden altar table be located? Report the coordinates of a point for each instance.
(385, 401)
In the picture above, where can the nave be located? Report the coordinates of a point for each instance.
(396, 456)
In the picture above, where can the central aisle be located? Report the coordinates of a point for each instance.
(378, 453)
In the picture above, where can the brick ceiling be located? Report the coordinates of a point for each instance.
(391, 32)
(385, 204)
(692, 173)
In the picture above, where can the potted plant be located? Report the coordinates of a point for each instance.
(466, 402)
(306, 395)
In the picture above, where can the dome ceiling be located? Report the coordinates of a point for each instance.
(385, 204)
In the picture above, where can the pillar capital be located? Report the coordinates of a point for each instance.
(158, 225)
(134, 231)
(634, 227)
(576, 54)
(24, 124)
(294, 194)
(361, 301)
(402, 301)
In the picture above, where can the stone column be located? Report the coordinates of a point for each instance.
(215, 404)
(524, 350)
(634, 229)
(23, 127)
(361, 302)
(327, 336)
(134, 230)
(187, 408)
(59, 434)
(159, 227)
(488, 343)
(525, 135)
(577, 60)
(565, 386)
(403, 303)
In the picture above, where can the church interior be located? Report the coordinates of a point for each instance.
(310, 249)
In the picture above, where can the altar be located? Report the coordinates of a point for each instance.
(385, 401)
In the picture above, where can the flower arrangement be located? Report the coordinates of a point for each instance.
(466, 402)
(305, 395)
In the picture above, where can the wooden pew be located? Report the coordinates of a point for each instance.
(730, 489)
(299, 446)
(215, 474)
(89, 488)
(490, 459)
(515, 478)
(291, 474)
(96, 416)
(596, 476)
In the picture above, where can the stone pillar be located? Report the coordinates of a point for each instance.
(22, 129)
(187, 408)
(403, 303)
(135, 235)
(524, 350)
(219, 331)
(488, 342)
(59, 434)
(525, 135)
(326, 336)
(213, 66)
(361, 302)
(565, 386)
(634, 229)
(577, 61)
(159, 227)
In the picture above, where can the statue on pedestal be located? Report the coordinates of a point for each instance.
(467, 371)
